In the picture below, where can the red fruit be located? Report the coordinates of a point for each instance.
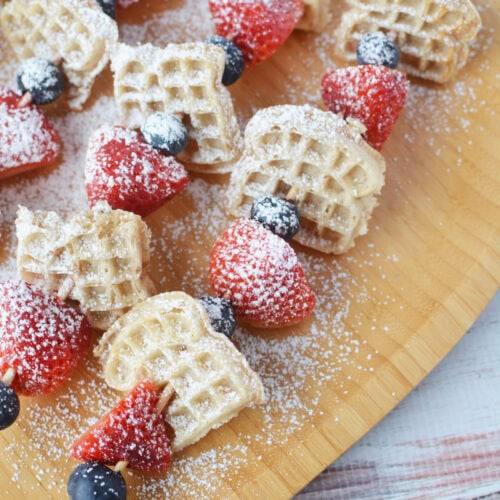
(133, 431)
(259, 273)
(375, 95)
(41, 338)
(257, 27)
(128, 173)
(27, 138)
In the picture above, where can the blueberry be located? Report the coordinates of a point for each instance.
(109, 7)
(166, 132)
(220, 313)
(278, 215)
(9, 406)
(235, 62)
(376, 48)
(42, 78)
(95, 481)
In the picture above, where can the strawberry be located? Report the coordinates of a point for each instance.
(375, 95)
(259, 273)
(27, 138)
(41, 338)
(133, 431)
(128, 173)
(257, 27)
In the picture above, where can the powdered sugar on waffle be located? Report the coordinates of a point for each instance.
(294, 368)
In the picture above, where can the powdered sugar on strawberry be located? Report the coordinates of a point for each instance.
(122, 169)
(27, 138)
(133, 431)
(41, 338)
(260, 274)
(257, 27)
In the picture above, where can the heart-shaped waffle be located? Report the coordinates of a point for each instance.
(185, 79)
(432, 35)
(103, 254)
(77, 31)
(333, 173)
(169, 338)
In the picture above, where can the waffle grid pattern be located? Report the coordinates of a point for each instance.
(104, 253)
(431, 34)
(76, 30)
(168, 339)
(183, 79)
(334, 178)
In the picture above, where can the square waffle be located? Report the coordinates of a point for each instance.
(103, 253)
(316, 16)
(185, 79)
(432, 35)
(169, 338)
(77, 31)
(333, 173)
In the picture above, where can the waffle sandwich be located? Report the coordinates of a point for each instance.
(184, 79)
(432, 35)
(169, 338)
(75, 30)
(100, 256)
(319, 160)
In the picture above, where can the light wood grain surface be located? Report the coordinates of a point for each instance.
(387, 313)
(442, 441)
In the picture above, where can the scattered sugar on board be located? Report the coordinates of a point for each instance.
(294, 368)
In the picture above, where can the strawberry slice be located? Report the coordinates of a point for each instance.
(27, 138)
(257, 27)
(133, 431)
(128, 173)
(41, 338)
(375, 95)
(259, 273)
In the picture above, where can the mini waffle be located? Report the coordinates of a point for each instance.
(333, 173)
(432, 34)
(76, 30)
(102, 253)
(316, 16)
(185, 79)
(169, 338)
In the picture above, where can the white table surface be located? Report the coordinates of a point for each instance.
(442, 441)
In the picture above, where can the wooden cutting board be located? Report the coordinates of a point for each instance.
(388, 311)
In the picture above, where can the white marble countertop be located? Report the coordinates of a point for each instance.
(442, 441)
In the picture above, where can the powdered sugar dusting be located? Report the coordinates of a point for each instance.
(331, 350)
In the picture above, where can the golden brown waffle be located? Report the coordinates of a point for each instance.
(186, 79)
(431, 34)
(169, 338)
(103, 254)
(333, 174)
(75, 30)
(316, 16)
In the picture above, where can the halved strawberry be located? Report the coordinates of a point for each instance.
(259, 273)
(132, 431)
(375, 95)
(41, 338)
(27, 138)
(128, 173)
(257, 27)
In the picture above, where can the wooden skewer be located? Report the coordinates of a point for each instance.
(65, 288)
(26, 100)
(165, 398)
(120, 466)
(9, 376)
